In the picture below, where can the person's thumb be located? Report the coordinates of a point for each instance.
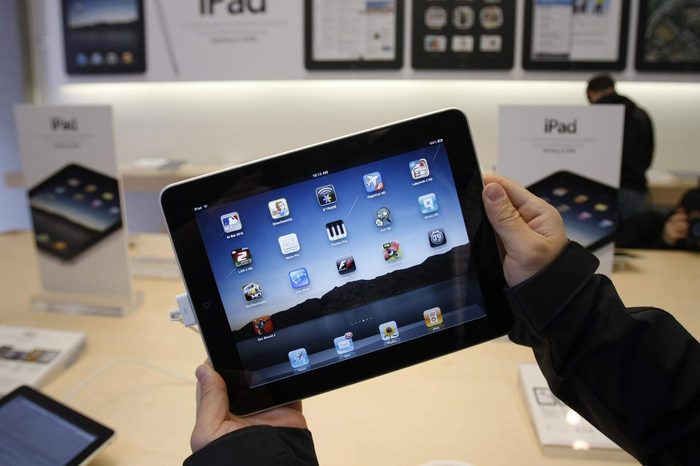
(212, 398)
(503, 215)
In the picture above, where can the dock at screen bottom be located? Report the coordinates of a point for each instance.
(336, 337)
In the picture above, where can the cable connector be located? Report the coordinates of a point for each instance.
(184, 312)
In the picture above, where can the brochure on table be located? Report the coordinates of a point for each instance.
(32, 356)
(555, 423)
(70, 172)
(538, 141)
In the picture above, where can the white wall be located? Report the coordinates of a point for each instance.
(231, 122)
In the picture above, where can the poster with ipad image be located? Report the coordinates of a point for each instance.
(463, 34)
(341, 261)
(575, 34)
(668, 36)
(571, 157)
(70, 171)
(104, 36)
(353, 34)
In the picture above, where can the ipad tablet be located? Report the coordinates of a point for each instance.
(588, 207)
(104, 37)
(74, 209)
(341, 261)
(35, 429)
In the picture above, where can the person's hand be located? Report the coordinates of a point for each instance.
(214, 418)
(676, 227)
(531, 231)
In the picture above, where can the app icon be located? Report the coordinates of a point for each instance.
(392, 251)
(336, 230)
(437, 237)
(252, 291)
(383, 217)
(419, 169)
(241, 257)
(389, 331)
(345, 265)
(580, 199)
(606, 223)
(600, 207)
(278, 208)
(585, 216)
(262, 325)
(81, 59)
(289, 243)
(344, 344)
(563, 208)
(299, 278)
(559, 192)
(112, 58)
(373, 182)
(428, 203)
(127, 58)
(231, 222)
(326, 195)
(432, 317)
(298, 358)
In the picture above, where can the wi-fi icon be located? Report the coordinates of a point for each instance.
(326, 195)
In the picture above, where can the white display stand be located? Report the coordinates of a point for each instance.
(537, 141)
(82, 249)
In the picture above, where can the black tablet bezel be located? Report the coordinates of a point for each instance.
(643, 65)
(138, 67)
(90, 174)
(179, 200)
(311, 64)
(617, 65)
(605, 239)
(101, 432)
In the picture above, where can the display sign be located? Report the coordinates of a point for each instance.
(454, 34)
(555, 423)
(571, 157)
(71, 173)
(231, 39)
(104, 37)
(575, 34)
(668, 36)
(360, 34)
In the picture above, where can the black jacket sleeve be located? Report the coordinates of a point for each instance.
(258, 445)
(633, 373)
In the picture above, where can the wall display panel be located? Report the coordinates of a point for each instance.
(668, 35)
(104, 36)
(575, 34)
(353, 34)
(463, 34)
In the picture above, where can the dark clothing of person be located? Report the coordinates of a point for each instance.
(643, 231)
(633, 373)
(637, 143)
(259, 446)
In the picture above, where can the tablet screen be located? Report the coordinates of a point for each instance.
(342, 263)
(32, 435)
(74, 209)
(588, 207)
